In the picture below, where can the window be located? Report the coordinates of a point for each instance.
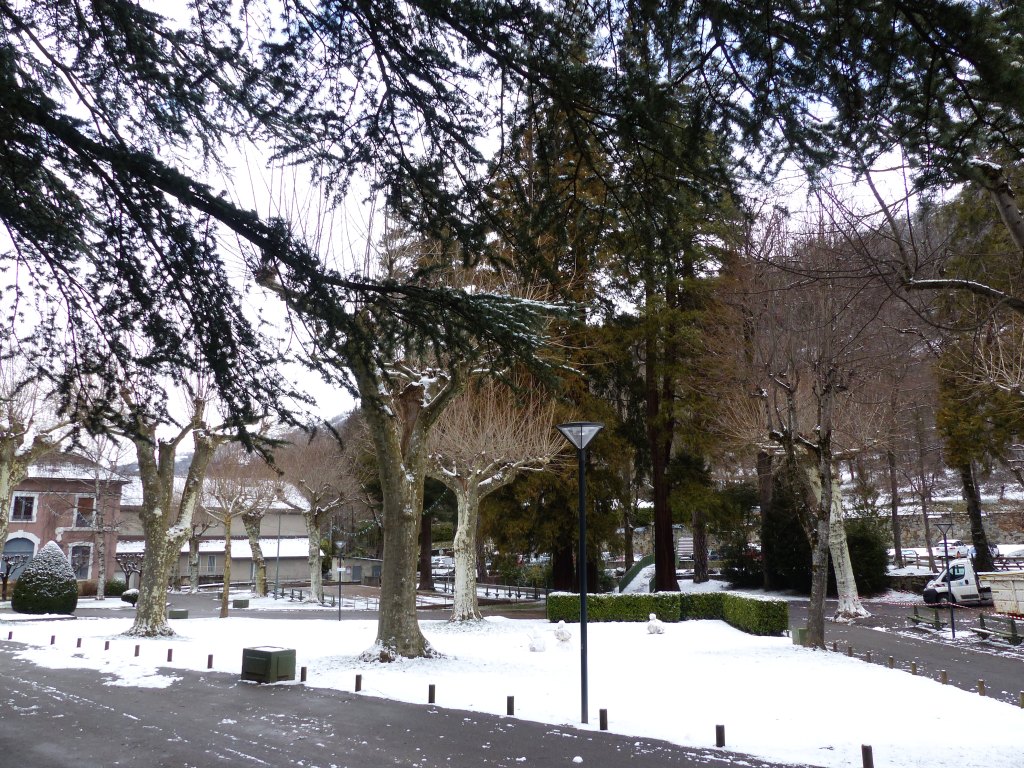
(211, 564)
(23, 508)
(85, 509)
(81, 560)
(21, 548)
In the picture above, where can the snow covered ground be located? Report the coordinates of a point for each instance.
(776, 701)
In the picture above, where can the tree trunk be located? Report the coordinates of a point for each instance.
(894, 508)
(151, 607)
(193, 564)
(765, 491)
(982, 557)
(316, 574)
(819, 585)
(252, 530)
(101, 550)
(700, 547)
(563, 575)
(225, 593)
(850, 606)
(426, 545)
(465, 606)
(398, 631)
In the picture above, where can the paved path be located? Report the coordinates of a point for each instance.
(889, 632)
(67, 718)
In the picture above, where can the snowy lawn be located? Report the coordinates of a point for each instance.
(776, 701)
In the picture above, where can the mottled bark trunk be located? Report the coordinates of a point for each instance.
(316, 574)
(465, 606)
(252, 530)
(819, 585)
(151, 607)
(101, 549)
(894, 508)
(850, 606)
(982, 557)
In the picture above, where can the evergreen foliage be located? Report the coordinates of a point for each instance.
(46, 584)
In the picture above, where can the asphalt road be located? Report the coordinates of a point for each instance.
(68, 718)
(889, 632)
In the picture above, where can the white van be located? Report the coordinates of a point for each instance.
(959, 584)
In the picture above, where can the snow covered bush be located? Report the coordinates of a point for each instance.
(130, 596)
(46, 584)
(565, 606)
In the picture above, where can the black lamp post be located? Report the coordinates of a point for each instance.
(580, 433)
(946, 526)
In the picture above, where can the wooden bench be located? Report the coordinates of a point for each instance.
(1000, 626)
(929, 616)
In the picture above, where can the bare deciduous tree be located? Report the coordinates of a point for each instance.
(482, 442)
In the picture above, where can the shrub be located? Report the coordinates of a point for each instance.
(114, 587)
(46, 584)
(701, 605)
(565, 606)
(867, 540)
(756, 617)
(130, 596)
(742, 565)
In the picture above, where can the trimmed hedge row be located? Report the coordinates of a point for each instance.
(751, 615)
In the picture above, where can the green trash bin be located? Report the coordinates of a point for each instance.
(268, 664)
(177, 613)
(240, 602)
(799, 635)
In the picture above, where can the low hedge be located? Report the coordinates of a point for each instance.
(748, 614)
(754, 616)
(565, 606)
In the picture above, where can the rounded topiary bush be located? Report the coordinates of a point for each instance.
(46, 584)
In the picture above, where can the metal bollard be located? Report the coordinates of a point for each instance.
(719, 735)
(209, 661)
(53, 639)
(867, 758)
(359, 683)
(892, 663)
(106, 645)
(136, 650)
(849, 650)
(913, 667)
(981, 687)
(603, 717)
(431, 691)
(867, 657)
(170, 654)
(943, 677)
(79, 643)
(302, 675)
(510, 705)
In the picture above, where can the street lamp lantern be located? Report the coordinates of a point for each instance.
(946, 526)
(580, 433)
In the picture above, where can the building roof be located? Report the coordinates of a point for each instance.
(291, 547)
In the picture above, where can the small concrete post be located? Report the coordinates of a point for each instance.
(510, 705)
(603, 718)
(302, 675)
(78, 644)
(867, 657)
(10, 635)
(431, 693)
(866, 756)
(719, 735)
(136, 650)
(981, 687)
(53, 639)
(170, 654)
(913, 667)
(892, 663)
(944, 677)
(209, 661)
(849, 650)
(835, 646)
(359, 683)
(106, 645)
